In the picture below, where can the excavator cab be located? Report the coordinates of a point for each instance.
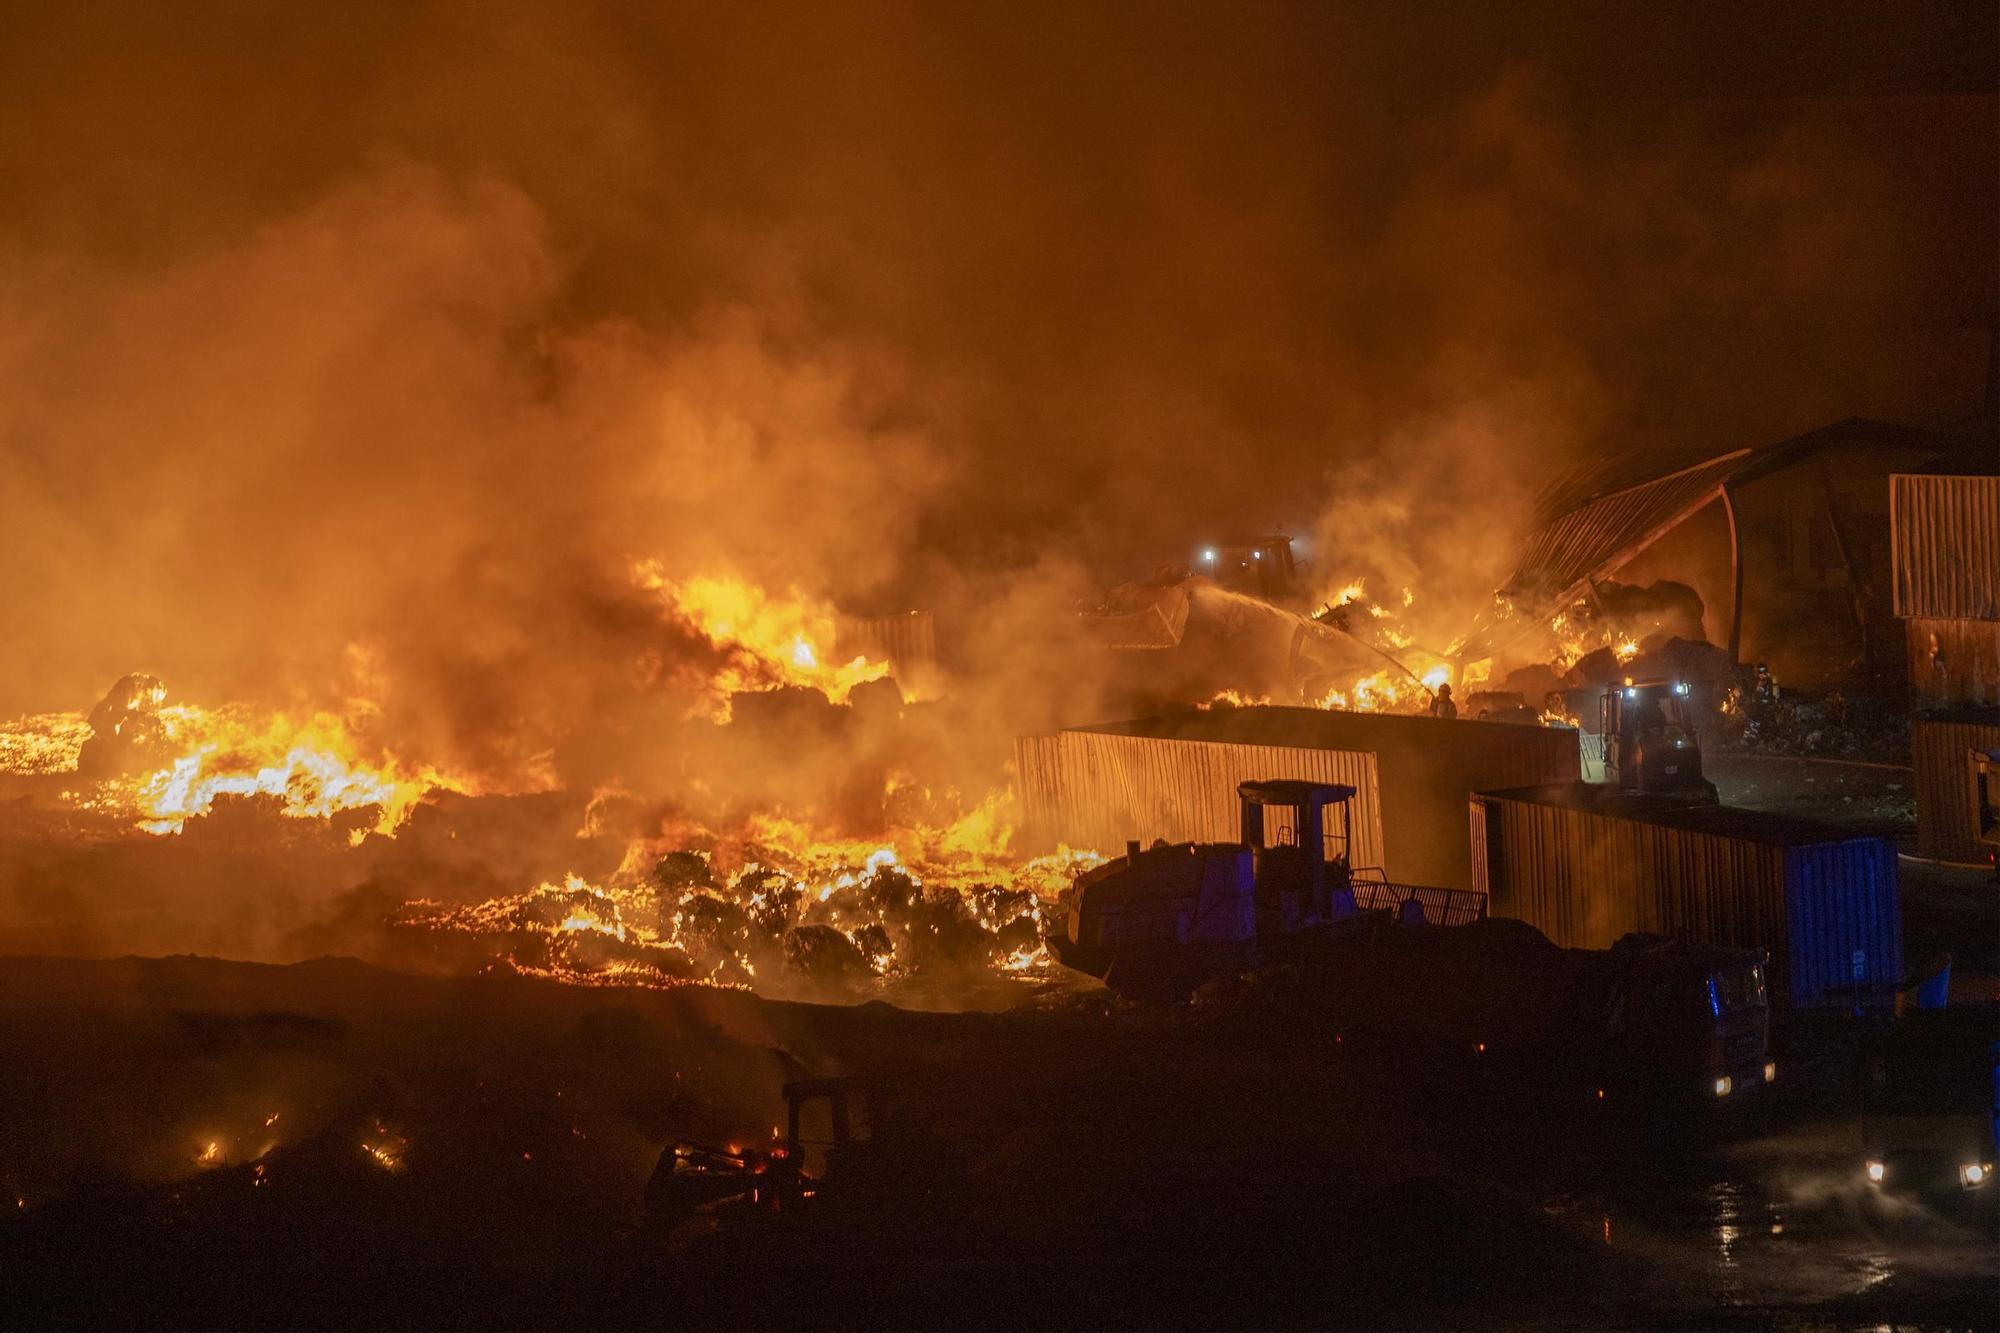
(1259, 566)
(1649, 740)
(1303, 873)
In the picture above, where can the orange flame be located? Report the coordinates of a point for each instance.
(768, 640)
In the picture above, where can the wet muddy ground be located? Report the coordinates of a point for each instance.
(193, 1143)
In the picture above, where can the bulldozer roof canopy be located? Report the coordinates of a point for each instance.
(1293, 791)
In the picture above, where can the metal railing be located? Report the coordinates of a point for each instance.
(1373, 891)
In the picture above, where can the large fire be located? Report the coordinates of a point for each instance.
(766, 898)
(769, 912)
(313, 765)
(765, 640)
(175, 761)
(1420, 653)
(781, 896)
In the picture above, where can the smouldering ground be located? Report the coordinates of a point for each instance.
(195, 1143)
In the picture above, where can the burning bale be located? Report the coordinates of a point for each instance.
(822, 931)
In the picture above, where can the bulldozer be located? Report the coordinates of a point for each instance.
(1160, 921)
(1650, 746)
(1671, 1021)
(1259, 566)
(1236, 620)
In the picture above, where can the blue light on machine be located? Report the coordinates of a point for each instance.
(1714, 1000)
(1680, 687)
(1631, 693)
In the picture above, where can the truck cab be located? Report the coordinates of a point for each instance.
(1930, 1098)
(1696, 1015)
(1650, 745)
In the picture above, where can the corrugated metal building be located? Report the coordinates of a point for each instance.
(1945, 544)
(1585, 865)
(1175, 777)
(1941, 744)
(1786, 544)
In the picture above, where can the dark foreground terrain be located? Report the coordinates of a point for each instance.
(192, 1143)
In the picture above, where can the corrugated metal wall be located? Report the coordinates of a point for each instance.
(1424, 770)
(1096, 790)
(1947, 813)
(1954, 662)
(1843, 919)
(1585, 878)
(907, 642)
(1945, 539)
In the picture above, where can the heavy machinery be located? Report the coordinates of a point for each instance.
(1650, 746)
(1930, 1103)
(1164, 919)
(1236, 620)
(1672, 1019)
(1259, 566)
(696, 1180)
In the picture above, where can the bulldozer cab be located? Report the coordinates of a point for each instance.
(1649, 739)
(1299, 834)
(1258, 566)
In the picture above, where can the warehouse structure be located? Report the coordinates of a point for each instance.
(1945, 543)
(1174, 777)
(1946, 549)
(1786, 544)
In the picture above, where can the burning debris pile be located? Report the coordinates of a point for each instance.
(779, 924)
(800, 828)
(1400, 653)
(161, 764)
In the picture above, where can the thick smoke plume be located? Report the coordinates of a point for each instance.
(352, 359)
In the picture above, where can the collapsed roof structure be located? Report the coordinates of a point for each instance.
(1591, 527)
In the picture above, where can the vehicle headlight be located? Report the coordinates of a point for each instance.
(1724, 1085)
(1974, 1173)
(1770, 1071)
(1876, 1171)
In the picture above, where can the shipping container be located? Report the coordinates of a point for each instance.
(1175, 777)
(1586, 865)
(1954, 663)
(1941, 746)
(1944, 539)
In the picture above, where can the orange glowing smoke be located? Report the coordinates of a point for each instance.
(767, 640)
